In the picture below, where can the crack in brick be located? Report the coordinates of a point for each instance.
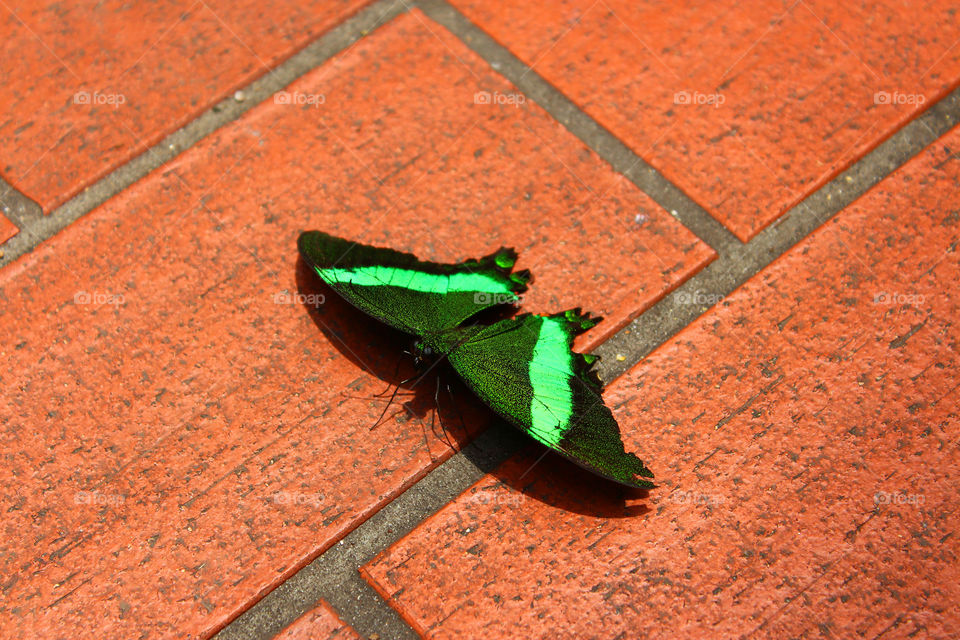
(902, 340)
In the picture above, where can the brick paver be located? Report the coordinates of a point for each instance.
(320, 623)
(7, 229)
(182, 428)
(805, 435)
(747, 106)
(96, 83)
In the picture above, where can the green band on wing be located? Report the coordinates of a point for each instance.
(380, 276)
(551, 369)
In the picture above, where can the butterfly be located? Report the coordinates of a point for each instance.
(522, 367)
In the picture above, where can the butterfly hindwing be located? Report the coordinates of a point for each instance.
(414, 296)
(525, 370)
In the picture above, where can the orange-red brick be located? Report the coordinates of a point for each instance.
(321, 622)
(7, 229)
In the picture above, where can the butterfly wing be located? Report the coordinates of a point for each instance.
(525, 370)
(409, 294)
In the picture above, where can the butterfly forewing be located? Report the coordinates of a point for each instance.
(409, 294)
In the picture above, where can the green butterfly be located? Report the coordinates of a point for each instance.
(522, 367)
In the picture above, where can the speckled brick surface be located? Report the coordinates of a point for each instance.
(805, 435)
(96, 83)
(7, 229)
(183, 427)
(320, 623)
(747, 106)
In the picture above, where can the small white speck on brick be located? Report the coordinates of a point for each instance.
(239, 96)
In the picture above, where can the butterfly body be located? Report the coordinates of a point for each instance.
(522, 367)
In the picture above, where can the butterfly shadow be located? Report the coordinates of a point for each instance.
(534, 472)
(378, 349)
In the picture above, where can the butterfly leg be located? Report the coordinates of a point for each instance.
(426, 439)
(436, 402)
(389, 402)
(456, 407)
(393, 377)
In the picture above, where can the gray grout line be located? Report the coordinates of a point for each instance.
(605, 144)
(333, 575)
(36, 227)
(734, 267)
